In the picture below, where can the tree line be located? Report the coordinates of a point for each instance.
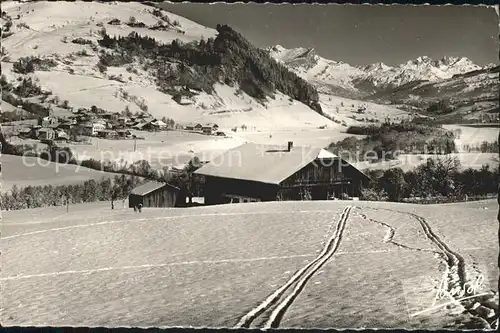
(381, 142)
(48, 195)
(437, 178)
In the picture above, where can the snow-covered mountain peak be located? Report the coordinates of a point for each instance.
(377, 67)
(296, 57)
(286, 55)
(340, 77)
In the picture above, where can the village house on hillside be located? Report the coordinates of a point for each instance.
(193, 127)
(46, 134)
(106, 134)
(83, 122)
(92, 128)
(214, 127)
(156, 194)
(208, 129)
(253, 172)
(61, 135)
(48, 121)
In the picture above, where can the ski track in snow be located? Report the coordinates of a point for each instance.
(389, 237)
(300, 278)
(455, 267)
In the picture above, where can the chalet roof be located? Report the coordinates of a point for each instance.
(149, 187)
(159, 123)
(46, 129)
(269, 164)
(142, 123)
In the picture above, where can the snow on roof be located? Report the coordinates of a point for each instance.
(150, 187)
(46, 129)
(159, 123)
(262, 163)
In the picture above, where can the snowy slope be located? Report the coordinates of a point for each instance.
(47, 29)
(48, 23)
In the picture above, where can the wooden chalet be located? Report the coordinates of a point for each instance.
(110, 116)
(24, 133)
(106, 134)
(143, 125)
(159, 125)
(67, 125)
(123, 121)
(62, 135)
(123, 133)
(194, 127)
(253, 172)
(47, 121)
(214, 127)
(208, 130)
(46, 134)
(35, 132)
(156, 194)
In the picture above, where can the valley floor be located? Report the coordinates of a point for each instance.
(339, 264)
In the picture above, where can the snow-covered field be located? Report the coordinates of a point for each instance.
(344, 109)
(347, 264)
(24, 171)
(300, 137)
(160, 149)
(473, 136)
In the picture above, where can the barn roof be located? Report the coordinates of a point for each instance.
(262, 163)
(149, 187)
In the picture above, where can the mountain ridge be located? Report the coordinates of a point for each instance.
(360, 81)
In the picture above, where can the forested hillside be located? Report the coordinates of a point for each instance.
(229, 59)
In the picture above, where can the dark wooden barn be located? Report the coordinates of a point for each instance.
(253, 172)
(155, 194)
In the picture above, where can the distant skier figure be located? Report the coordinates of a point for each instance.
(112, 204)
(140, 207)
